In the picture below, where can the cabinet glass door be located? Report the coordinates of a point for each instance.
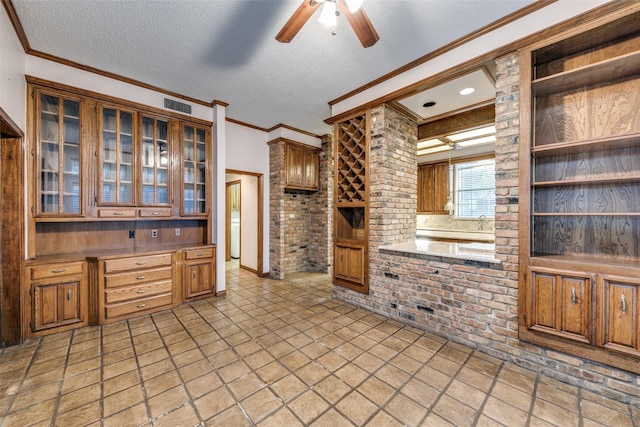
(117, 157)
(155, 162)
(194, 171)
(60, 156)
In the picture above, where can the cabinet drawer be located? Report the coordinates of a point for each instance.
(117, 213)
(139, 305)
(136, 277)
(198, 253)
(47, 271)
(155, 212)
(140, 291)
(137, 263)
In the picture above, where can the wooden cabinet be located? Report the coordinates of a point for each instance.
(59, 154)
(58, 296)
(199, 279)
(619, 314)
(126, 286)
(117, 155)
(351, 208)
(195, 178)
(560, 303)
(155, 162)
(433, 188)
(580, 192)
(302, 164)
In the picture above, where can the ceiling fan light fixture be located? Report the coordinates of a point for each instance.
(329, 13)
(353, 5)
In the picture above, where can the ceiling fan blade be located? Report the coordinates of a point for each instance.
(297, 20)
(360, 23)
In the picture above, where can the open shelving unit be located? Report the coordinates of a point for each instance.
(580, 194)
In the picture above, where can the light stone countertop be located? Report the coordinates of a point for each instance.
(479, 236)
(475, 251)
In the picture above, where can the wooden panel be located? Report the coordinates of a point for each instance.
(341, 262)
(155, 212)
(136, 263)
(135, 277)
(116, 213)
(464, 121)
(356, 265)
(311, 169)
(441, 187)
(619, 315)
(126, 293)
(45, 271)
(543, 304)
(45, 306)
(574, 304)
(138, 306)
(69, 302)
(294, 166)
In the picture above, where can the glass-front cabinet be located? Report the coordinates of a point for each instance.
(155, 162)
(117, 157)
(60, 156)
(194, 171)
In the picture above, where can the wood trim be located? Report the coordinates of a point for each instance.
(295, 144)
(456, 43)
(281, 125)
(460, 122)
(118, 102)
(461, 159)
(221, 294)
(244, 267)
(608, 12)
(240, 123)
(9, 128)
(228, 185)
(17, 25)
(239, 172)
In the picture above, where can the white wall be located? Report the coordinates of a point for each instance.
(248, 219)
(247, 151)
(12, 70)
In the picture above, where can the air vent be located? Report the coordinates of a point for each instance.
(177, 106)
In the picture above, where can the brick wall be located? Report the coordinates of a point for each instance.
(300, 222)
(472, 303)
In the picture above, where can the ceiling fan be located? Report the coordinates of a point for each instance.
(351, 9)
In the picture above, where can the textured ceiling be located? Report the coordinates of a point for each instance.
(226, 49)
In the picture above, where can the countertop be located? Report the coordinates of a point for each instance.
(475, 251)
(478, 236)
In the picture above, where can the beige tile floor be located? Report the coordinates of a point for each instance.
(279, 353)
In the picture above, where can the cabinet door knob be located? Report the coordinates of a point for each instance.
(573, 296)
(62, 270)
(623, 304)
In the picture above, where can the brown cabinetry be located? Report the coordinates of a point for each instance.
(580, 193)
(433, 188)
(58, 296)
(127, 286)
(199, 280)
(302, 164)
(351, 210)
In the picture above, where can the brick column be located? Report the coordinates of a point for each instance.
(276, 209)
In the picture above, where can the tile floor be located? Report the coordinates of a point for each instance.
(279, 353)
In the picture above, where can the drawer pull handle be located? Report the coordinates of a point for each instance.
(62, 270)
(624, 304)
(69, 295)
(141, 305)
(155, 213)
(141, 263)
(573, 296)
(118, 213)
(142, 291)
(199, 254)
(141, 277)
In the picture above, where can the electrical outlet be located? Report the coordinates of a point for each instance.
(177, 232)
(154, 233)
(132, 234)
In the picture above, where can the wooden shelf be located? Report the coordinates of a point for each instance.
(614, 69)
(589, 181)
(580, 214)
(596, 144)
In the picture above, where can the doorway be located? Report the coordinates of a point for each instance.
(11, 230)
(244, 211)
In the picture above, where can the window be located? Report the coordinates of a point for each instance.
(475, 188)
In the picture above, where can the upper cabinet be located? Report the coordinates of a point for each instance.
(195, 179)
(433, 188)
(302, 164)
(58, 155)
(116, 155)
(100, 159)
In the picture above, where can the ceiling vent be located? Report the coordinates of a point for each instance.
(177, 106)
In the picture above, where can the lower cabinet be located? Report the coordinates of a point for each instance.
(58, 296)
(126, 286)
(588, 313)
(349, 263)
(199, 278)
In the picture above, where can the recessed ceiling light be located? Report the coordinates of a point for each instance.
(429, 104)
(467, 91)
